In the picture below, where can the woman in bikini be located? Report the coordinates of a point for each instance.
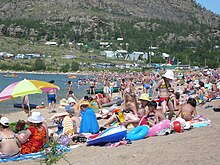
(164, 94)
(9, 145)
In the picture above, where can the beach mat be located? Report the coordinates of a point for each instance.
(200, 121)
(36, 155)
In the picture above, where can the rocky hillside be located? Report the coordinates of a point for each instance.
(179, 27)
(184, 11)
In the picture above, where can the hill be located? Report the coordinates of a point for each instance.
(181, 28)
(184, 11)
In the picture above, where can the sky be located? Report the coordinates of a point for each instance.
(212, 5)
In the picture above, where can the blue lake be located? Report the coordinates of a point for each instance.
(60, 80)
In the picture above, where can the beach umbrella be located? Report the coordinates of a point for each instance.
(26, 87)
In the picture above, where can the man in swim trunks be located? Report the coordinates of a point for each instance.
(92, 86)
(146, 83)
(188, 110)
(9, 145)
(51, 97)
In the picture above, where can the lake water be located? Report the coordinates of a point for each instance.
(60, 80)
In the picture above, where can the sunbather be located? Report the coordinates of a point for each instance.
(188, 110)
(9, 145)
(36, 135)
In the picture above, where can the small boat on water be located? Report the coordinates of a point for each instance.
(71, 76)
(100, 90)
(11, 75)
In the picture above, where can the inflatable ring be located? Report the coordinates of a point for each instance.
(138, 133)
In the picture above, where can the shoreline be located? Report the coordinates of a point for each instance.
(53, 73)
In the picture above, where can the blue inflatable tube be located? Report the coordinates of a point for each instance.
(138, 133)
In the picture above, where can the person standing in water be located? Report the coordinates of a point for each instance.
(51, 97)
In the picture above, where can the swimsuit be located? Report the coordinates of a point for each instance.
(4, 156)
(51, 98)
(161, 99)
(147, 86)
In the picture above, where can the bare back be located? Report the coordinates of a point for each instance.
(9, 144)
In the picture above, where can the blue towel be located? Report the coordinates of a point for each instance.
(89, 123)
(34, 155)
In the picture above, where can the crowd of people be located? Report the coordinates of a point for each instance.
(148, 98)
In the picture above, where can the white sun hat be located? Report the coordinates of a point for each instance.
(4, 121)
(71, 100)
(169, 74)
(36, 117)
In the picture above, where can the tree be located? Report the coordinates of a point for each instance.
(65, 68)
(74, 66)
(39, 64)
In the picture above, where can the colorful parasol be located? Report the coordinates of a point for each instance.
(26, 87)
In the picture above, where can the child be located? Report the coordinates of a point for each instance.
(188, 109)
(154, 116)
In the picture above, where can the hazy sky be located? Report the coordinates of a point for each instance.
(212, 5)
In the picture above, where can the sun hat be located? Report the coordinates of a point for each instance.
(144, 96)
(36, 117)
(71, 100)
(63, 102)
(197, 85)
(4, 121)
(84, 103)
(169, 74)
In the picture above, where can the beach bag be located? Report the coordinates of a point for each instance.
(64, 140)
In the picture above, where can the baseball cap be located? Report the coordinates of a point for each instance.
(4, 121)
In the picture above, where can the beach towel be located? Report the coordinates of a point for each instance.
(199, 121)
(89, 123)
(37, 154)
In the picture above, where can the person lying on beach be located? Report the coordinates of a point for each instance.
(9, 145)
(36, 135)
(120, 116)
(188, 110)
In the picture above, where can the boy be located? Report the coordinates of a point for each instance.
(187, 110)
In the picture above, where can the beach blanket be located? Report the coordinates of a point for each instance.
(199, 121)
(37, 155)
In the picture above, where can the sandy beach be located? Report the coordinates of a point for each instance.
(197, 146)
